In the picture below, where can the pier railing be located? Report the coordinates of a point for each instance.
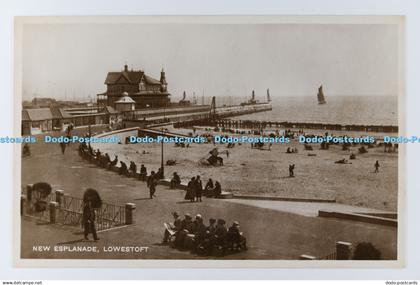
(173, 111)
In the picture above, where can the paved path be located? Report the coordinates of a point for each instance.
(308, 209)
(274, 231)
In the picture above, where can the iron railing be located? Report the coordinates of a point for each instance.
(70, 211)
(331, 256)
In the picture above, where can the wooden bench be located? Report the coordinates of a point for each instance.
(167, 182)
(226, 195)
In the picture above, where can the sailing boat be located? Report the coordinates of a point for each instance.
(268, 95)
(321, 98)
(251, 101)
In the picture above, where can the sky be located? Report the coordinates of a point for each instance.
(71, 60)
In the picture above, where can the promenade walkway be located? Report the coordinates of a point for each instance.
(272, 233)
(308, 209)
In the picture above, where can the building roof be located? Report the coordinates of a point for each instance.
(132, 77)
(25, 115)
(39, 114)
(151, 80)
(60, 113)
(125, 99)
(110, 110)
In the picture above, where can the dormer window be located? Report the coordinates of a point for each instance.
(142, 87)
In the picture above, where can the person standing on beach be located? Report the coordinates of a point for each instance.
(198, 188)
(26, 150)
(63, 147)
(151, 183)
(291, 170)
(377, 166)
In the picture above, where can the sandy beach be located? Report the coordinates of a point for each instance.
(265, 172)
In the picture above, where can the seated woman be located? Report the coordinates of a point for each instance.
(194, 238)
(106, 160)
(172, 229)
(123, 169)
(218, 240)
(133, 168)
(234, 238)
(217, 190)
(199, 229)
(186, 228)
(175, 181)
(114, 162)
(143, 172)
(208, 189)
(98, 154)
(159, 173)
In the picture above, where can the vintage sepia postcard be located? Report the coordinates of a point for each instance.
(209, 141)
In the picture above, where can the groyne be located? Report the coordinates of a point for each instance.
(254, 124)
(258, 125)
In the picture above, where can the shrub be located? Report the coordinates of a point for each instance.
(366, 251)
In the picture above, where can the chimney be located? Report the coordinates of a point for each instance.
(125, 67)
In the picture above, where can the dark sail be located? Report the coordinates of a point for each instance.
(268, 95)
(321, 98)
(251, 101)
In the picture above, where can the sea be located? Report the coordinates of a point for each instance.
(345, 110)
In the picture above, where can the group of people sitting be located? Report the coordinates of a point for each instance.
(292, 150)
(105, 161)
(212, 189)
(194, 235)
(182, 144)
(389, 147)
(342, 161)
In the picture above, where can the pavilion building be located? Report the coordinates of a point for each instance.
(144, 90)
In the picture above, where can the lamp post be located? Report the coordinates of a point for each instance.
(164, 112)
(161, 162)
(90, 132)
